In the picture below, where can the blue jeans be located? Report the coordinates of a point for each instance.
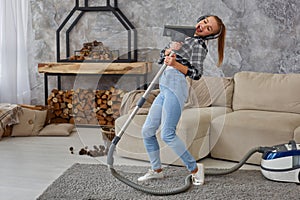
(166, 111)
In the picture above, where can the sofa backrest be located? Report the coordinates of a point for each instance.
(265, 91)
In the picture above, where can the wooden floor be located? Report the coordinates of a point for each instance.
(30, 164)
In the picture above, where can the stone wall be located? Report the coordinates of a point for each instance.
(261, 35)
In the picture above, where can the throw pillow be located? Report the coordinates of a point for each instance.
(30, 122)
(63, 129)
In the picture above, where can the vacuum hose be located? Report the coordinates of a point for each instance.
(153, 191)
(217, 172)
(188, 180)
(188, 183)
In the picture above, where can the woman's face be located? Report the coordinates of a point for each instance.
(207, 26)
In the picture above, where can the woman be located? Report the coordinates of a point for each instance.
(168, 105)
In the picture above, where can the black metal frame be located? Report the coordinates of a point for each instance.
(108, 8)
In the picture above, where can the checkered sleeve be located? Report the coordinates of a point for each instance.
(162, 55)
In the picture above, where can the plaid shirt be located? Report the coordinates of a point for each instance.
(191, 54)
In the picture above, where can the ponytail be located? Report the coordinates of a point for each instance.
(221, 40)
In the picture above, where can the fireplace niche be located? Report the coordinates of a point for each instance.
(96, 49)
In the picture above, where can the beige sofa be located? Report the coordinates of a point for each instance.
(224, 117)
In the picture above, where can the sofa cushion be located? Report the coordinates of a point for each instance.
(193, 129)
(197, 121)
(210, 91)
(236, 133)
(264, 91)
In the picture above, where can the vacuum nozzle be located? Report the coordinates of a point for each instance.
(179, 33)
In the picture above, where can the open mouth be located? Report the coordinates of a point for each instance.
(199, 28)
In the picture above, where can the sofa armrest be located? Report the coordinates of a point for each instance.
(297, 134)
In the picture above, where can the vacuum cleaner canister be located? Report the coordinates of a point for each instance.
(282, 163)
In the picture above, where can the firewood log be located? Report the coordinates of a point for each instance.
(85, 106)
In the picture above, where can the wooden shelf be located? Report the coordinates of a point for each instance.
(96, 68)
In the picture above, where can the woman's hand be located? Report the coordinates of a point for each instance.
(167, 52)
(170, 60)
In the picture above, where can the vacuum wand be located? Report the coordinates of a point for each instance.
(141, 102)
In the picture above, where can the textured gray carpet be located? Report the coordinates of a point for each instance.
(88, 181)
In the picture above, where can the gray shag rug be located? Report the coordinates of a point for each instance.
(95, 182)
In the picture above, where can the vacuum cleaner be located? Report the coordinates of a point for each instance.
(274, 158)
(282, 163)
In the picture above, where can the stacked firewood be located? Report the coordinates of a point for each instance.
(93, 51)
(84, 106)
(108, 103)
(60, 106)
